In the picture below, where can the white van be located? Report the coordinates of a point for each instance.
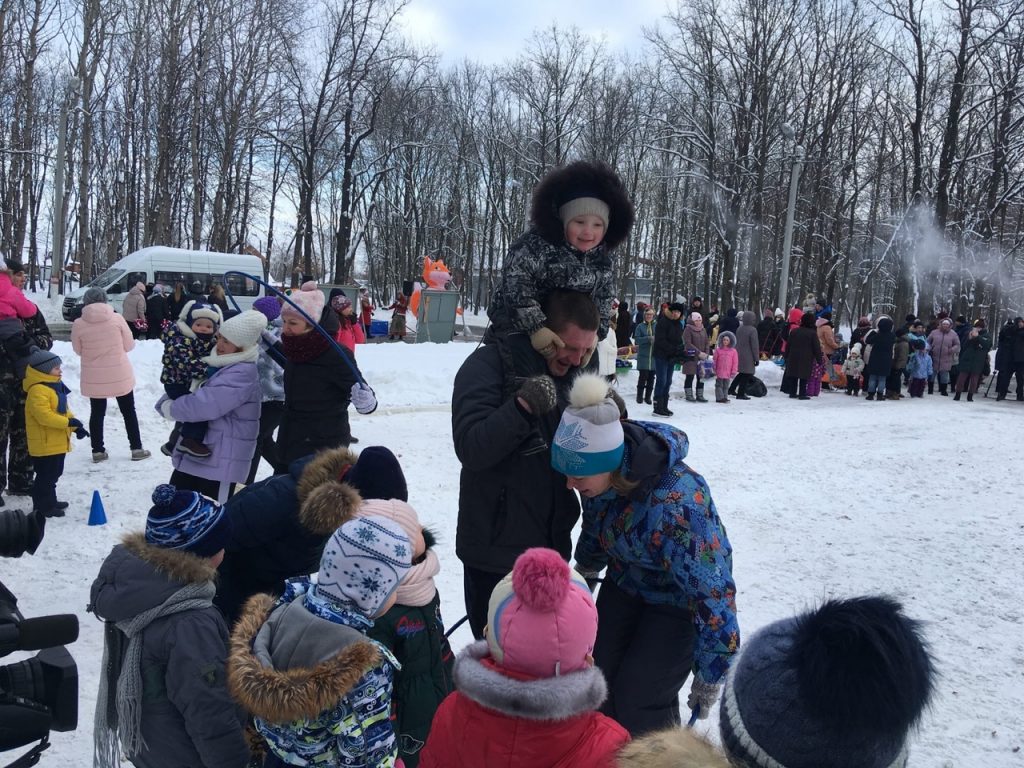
(197, 270)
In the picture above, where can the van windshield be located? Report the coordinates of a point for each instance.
(107, 278)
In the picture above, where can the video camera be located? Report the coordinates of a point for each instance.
(40, 694)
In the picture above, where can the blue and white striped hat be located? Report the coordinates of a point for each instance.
(589, 439)
(186, 520)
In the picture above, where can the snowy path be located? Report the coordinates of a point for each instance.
(837, 496)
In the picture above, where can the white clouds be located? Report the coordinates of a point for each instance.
(493, 32)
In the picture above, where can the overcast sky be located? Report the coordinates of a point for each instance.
(491, 32)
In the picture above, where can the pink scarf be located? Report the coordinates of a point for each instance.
(417, 588)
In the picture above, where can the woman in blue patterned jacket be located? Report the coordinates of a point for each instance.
(667, 605)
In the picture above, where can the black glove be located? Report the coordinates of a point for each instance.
(75, 424)
(539, 394)
(81, 433)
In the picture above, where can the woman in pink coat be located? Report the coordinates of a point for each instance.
(102, 339)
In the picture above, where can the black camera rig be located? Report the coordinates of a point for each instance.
(40, 694)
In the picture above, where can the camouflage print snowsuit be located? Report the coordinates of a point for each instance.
(16, 468)
(534, 267)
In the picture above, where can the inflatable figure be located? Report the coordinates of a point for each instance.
(436, 276)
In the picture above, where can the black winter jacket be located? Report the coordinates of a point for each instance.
(881, 342)
(510, 498)
(279, 527)
(668, 338)
(1018, 347)
(157, 311)
(316, 398)
(803, 349)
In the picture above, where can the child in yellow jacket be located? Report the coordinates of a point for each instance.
(49, 423)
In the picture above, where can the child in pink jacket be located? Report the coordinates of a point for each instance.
(14, 305)
(727, 365)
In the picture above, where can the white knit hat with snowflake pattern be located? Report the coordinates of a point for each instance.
(363, 563)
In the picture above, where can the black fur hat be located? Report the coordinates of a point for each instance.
(839, 687)
(583, 178)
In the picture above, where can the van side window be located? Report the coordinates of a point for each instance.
(239, 286)
(171, 278)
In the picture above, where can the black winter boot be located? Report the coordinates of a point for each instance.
(970, 397)
(956, 396)
(942, 390)
(639, 395)
(931, 387)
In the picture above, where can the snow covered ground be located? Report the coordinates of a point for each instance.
(836, 496)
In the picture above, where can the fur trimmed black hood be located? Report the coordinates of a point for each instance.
(583, 178)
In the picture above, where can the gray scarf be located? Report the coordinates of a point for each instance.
(127, 725)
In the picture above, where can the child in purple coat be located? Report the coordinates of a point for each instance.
(727, 365)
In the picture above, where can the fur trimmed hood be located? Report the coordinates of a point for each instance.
(551, 698)
(177, 565)
(325, 503)
(582, 178)
(670, 749)
(137, 576)
(281, 696)
(324, 467)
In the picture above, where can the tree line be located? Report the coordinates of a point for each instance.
(317, 134)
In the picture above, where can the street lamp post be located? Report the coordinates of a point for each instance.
(787, 240)
(57, 253)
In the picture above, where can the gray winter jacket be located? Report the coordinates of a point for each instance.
(188, 717)
(746, 343)
(271, 374)
(534, 267)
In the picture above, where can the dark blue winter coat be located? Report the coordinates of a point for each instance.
(665, 542)
(279, 527)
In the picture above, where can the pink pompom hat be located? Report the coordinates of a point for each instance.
(541, 619)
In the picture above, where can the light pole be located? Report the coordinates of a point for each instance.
(787, 239)
(57, 253)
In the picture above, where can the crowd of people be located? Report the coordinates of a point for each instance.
(881, 360)
(295, 620)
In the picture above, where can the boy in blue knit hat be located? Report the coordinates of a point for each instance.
(163, 700)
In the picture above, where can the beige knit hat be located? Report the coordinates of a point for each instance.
(582, 206)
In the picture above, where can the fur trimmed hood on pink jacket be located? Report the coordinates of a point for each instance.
(102, 339)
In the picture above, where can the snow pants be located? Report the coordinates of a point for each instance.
(967, 382)
(477, 586)
(917, 387)
(646, 653)
(15, 463)
(662, 377)
(97, 415)
(721, 389)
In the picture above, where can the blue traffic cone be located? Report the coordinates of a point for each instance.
(97, 516)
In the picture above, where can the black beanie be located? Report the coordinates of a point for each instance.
(378, 475)
(839, 687)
